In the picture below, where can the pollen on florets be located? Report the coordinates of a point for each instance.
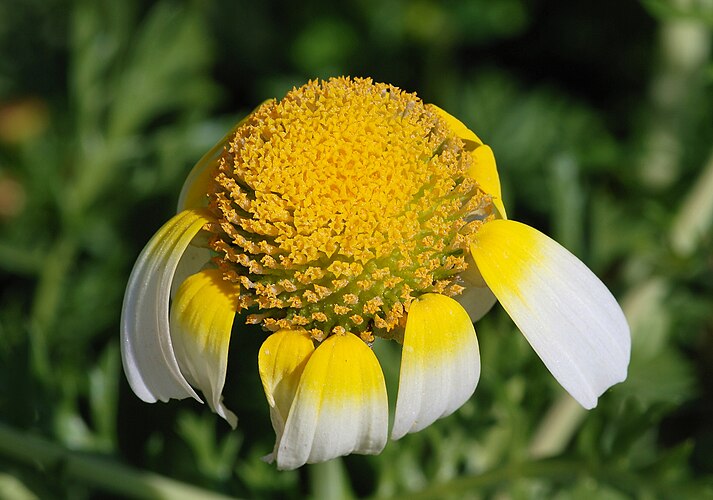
(340, 204)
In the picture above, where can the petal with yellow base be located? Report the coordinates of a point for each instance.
(195, 257)
(281, 361)
(484, 171)
(566, 313)
(440, 364)
(340, 406)
(201, 321)
(459, 128)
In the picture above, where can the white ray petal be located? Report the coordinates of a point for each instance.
(193, 260)
(440, 364)
(566, 313)
(146, 348)
(340, 406)
(281, 361)
(201, 321)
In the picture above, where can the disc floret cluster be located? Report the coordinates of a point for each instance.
(339, 205)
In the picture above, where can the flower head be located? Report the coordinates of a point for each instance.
(346, 213)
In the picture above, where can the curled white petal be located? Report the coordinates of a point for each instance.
(146, 348)
(193, 260)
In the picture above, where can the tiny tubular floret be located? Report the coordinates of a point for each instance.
(340, 204)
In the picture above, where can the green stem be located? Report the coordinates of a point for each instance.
(556, 428)
(695, 217)
(330, 480)
(683, 53)
(95, 471)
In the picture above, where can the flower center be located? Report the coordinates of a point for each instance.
(339, 205)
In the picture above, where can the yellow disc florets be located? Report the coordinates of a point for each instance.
(340, 204)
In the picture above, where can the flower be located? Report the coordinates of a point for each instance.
(346, 213)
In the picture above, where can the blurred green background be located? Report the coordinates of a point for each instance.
(601, 118)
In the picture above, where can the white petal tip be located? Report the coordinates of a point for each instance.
(227, 415)
(147, 350)
(566, 313)
(340, 406)
(440, 364)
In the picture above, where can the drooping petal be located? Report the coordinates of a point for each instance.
(484, 170)
(440, 364)
(281, 361)
(146, 348)
(201, 321)
(566, 313)
(340, 406)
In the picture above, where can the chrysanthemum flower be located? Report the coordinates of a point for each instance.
(347, 213)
